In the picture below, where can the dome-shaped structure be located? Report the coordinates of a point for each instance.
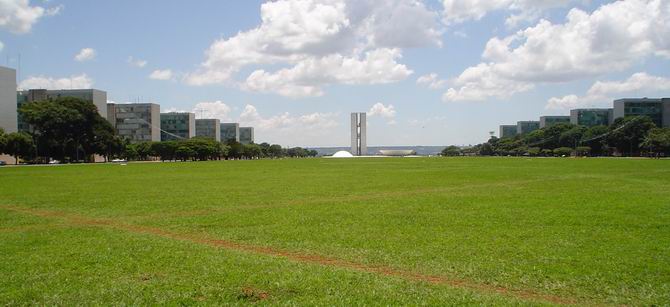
(343, 154)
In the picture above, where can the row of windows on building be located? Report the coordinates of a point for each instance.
(658, 109)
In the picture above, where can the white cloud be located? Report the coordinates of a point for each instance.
(161, 74)
(18, 16)
(216, 109)
(139, 63)
(41, 82)
(53, 11)
(285, 121)
(309, 37)
(458, 11)
(612, 38)
(432, 81)
(379, 109)
(307, 77)
(85, 54)
(602, 92)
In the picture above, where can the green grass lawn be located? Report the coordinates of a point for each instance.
(422, 231)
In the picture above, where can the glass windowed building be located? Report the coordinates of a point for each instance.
(525, 127)
(230, 131)
(136, 122)
(657, 109)
(209, 128)
(548, 121)
(591, 117)
(177, 126)
(507, 131)
(246, 135)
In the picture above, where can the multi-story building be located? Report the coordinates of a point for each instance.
(97, 97)
(230, 131)
(591, 117)
(658, 109)
(548, 121)
(507, 131)
(359, 145)
(8, 113)
(525, 127)
(137, 122)
(209, 128)
(246, 135)
(177, 126)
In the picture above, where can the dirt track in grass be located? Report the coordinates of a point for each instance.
(78, 220)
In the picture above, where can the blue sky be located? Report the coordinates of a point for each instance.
(427, 72)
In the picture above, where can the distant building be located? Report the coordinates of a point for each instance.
(177, 126)
(137, 122)
(525, 127)
(507, 131)
(230, 131)
(591, 117)
(246, 135)
(548, 121)
(8, 106)
(97, 97)
(209, 128)
(359, 145)
(658, 109)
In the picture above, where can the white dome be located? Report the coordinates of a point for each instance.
(343, 154)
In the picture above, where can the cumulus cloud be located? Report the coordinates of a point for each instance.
(41, 82)
(379, 109)
(458, 11)
(216, 109)
(161, 74)
(53, 11)
(311, 37)
(139, 63)
(602, 92)
(285, 121)
(18, 16)
(85, 54)
(612, 38)
(432, 81)
(307, 77)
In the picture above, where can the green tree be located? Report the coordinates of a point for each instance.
(486, 150)
(3, 141)
(451, 151)
(596, 138)
(252, 151)
(657, 141)
(582, 151)
(19, 145)
(552, 135)
(275, 151)
(627, 133)
(563, 151)
(571, 138)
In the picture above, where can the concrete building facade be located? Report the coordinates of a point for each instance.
(137, 122)
(359, 145)
(247, 135)
(177, 126)
(655, 108)
(525, 127)
(591, 117)
(507, 131)
(548, 121)
(230, 131)
(8, 106)
(209, 128)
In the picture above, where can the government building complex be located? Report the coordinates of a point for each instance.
(136, 122)
(658, 109)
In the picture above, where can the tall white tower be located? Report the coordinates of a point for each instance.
(359, 145)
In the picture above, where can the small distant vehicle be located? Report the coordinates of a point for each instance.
(119, 161)
(54, 162)
(3, 163)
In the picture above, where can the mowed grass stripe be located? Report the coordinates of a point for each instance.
(77, 220)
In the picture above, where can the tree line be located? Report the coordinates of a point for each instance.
(71, 130)
(629, 136)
